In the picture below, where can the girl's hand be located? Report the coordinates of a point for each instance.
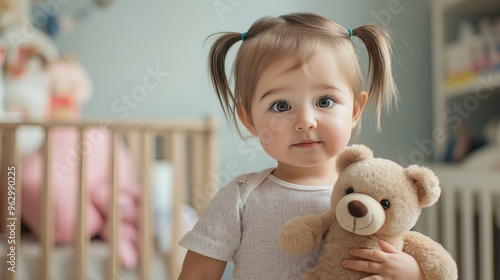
(387, 264)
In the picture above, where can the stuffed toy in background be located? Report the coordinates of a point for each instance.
(373, 198)
(27, 51)
(70, 88)
(27, 86)
(14, 13)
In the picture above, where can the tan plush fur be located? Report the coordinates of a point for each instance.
(374, 182)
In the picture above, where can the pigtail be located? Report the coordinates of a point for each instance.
(217, 68)
(379, 46)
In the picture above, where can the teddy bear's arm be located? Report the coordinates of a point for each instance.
(434, 261)
(303, 233)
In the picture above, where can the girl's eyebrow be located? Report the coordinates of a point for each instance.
(319, 86)
(328, 86)
(271, 92)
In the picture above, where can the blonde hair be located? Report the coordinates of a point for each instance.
(270, 39)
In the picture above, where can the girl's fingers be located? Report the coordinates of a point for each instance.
(374, 255)
(373, 277)
(387, 247)
(362, 265)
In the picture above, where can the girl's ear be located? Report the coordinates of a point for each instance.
(245, 119)
(358, 108)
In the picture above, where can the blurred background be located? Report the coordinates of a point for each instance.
(120, 43)
(148, 60)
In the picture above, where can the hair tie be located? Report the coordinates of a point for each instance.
(350, 32)
(243, 36)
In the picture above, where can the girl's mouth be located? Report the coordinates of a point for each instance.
(307, 144)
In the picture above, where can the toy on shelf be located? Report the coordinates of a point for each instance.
(476, 51)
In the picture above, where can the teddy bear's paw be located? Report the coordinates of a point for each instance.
(295, 239)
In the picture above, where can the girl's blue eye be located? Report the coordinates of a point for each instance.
(280, 106)
(325, 102)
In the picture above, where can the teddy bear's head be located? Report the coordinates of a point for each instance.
(378, 196)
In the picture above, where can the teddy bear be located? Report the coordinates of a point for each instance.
(373, 199)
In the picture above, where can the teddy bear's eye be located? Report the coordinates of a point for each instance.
(349, 190)
(385, 204)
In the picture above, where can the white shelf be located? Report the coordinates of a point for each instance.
(445, 15)
(483, 82)
(470, 7)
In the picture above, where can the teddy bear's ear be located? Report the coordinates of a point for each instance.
(426, 183)
(352, 154)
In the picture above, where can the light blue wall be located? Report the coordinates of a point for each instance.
(118, 44)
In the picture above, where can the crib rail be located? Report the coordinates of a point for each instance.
(466, 220)
(185, 143)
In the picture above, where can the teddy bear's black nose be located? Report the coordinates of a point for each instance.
(357, 209)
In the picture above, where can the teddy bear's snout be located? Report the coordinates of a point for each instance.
(360, 214)
(357, 209)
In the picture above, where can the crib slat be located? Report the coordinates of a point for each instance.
(82, 237)
(211, 161)
(198, 159)
(47, 236)
(177, 149)
(449, 229)
(4, 165)
(3, 197)
(467, 237)
(133, 145)
(17, 162)
(11, 157)
(486, 237)
(114, 270)
(145, 233)
(167, 138)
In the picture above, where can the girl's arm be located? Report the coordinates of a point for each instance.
(200, 267)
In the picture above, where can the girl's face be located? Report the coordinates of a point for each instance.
(303, 119)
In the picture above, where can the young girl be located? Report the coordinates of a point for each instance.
(299, 88)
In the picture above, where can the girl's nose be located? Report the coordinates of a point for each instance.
(305, 120)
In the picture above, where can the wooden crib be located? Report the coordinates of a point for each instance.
(466, 220)
(189, 145)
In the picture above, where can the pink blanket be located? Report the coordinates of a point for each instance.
(64, 172)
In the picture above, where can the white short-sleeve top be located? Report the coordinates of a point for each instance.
(246, 230)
